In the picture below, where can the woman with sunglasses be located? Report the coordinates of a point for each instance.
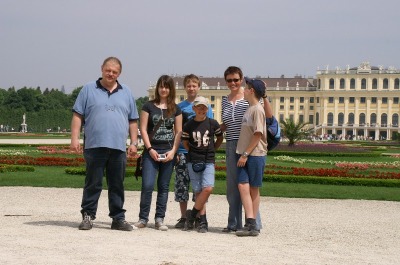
(233, 108)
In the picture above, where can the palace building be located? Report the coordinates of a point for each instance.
(353, 103)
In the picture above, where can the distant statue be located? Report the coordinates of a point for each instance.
(24, 126)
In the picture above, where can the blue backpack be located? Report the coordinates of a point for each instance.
(273, 133)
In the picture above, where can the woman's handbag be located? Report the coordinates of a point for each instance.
(138, 171)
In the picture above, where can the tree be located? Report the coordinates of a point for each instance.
(295, 131)
(140, 102)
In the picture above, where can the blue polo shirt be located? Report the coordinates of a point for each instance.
(106, 115)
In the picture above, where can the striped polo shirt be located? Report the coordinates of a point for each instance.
(232, 116)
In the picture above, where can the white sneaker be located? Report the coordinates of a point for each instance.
(140, 224)
(159, 225)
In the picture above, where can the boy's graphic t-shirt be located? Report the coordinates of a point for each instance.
(200, 135)
(187, 114)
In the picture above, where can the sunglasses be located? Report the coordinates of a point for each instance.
(232, 80)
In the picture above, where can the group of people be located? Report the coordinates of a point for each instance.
(180, 136)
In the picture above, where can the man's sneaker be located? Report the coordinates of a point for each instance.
(121, 225)
(140, 224)
(228, 230)
(189, 220)
(181, 223)
(202, 228)
(159, 225)
(86, 223)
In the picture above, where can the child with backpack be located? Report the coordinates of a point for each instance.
(251, 151)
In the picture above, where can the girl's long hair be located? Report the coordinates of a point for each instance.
(168, 82)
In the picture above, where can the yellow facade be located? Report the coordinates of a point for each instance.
(355, 103)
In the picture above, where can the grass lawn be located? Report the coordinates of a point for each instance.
(56, 177)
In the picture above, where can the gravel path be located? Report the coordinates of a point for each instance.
(39, 226)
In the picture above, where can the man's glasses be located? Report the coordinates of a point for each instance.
(232, 80)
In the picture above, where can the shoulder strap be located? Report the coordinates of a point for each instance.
(151, 135)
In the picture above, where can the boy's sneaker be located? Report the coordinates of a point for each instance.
(189, 220)
(202, 228)
(121, 225)
(86, 223)
(181, 223)
(197, 222)
(140, 224)
(159, 225)
(249, 229)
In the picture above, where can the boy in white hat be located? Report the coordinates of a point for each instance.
(198, 138)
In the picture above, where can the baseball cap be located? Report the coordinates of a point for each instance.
(257, 84)
(200, 101)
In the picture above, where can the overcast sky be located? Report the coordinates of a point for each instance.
(53, 43)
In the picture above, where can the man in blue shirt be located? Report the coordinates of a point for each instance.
(108, 112)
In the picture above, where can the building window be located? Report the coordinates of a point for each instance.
(342, 83)
(374, 83)
(350, 119)
(311, 119)
(311, 107)
(330, 99)
(291, 99)
(291, 107)
(340, 119)
(362, 119)
(352, 83)
(317, 118)
(363, 83)
(281, 107)
(301, 118)
(331, 83)
(281, 118)
(212, 98)
(330, 119)
(373, 119)
(384, 100)
(373, 100)
(282, 99)
(384, 120)
(385, 83)
(212, 106)
(312, 100)
(291, 117)
(301, 99)
(182, 98)
(362, 100)
(352, 99)
(396, 83)
(395, 119)
(318, 100)
(301, 107)
(396, 100)
(341, 99)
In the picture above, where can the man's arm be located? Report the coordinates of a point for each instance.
(76, 124)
